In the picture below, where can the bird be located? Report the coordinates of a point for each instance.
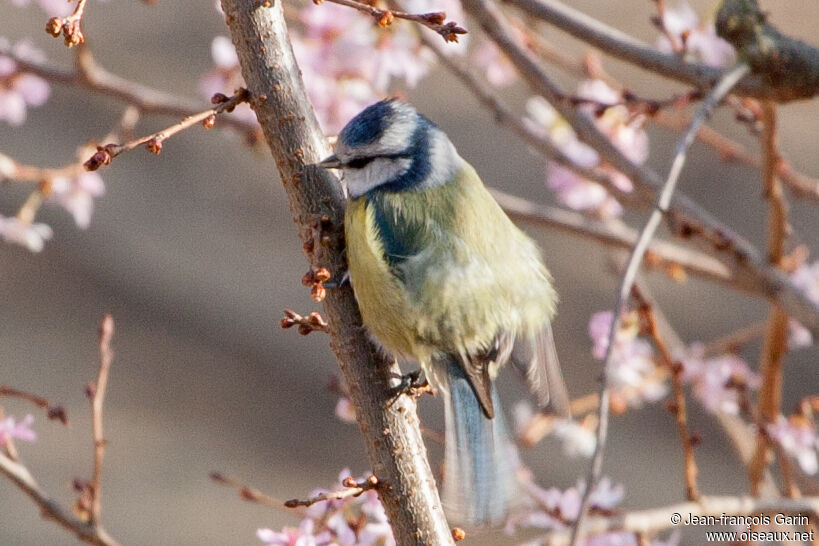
(444, 278)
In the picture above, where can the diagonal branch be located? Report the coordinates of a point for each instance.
(90, 75)
(22, 478)
(627, 280)
(388, 425)
(622, 46)
(686, 216)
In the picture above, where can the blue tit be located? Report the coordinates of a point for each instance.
(443, 277)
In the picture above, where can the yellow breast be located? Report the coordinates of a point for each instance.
(384, 305)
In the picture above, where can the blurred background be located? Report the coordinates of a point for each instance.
(195, 254)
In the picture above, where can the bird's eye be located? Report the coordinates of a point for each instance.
(359, 162)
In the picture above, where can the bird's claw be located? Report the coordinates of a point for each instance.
(413, 384)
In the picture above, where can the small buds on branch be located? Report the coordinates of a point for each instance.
(435, 21)
(311, 323)
(69, 26)
(105, 154)
(57, 413)
(353, 489)
(246, 492)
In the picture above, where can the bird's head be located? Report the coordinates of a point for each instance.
(389, 146)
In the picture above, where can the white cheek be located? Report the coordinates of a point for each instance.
(377, 172)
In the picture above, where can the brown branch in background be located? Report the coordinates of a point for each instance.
(661, 208)
(246, 492)
(674, 260)
(434, 21)
(800, 184)
(88, 74)
(352, 488)
(787, 66)
(774, 345)
(678, 406)
(731, 343)
(50, 508)
(68, 26)
(153, 142)
(311, 323)
(505, 117)
(622, 46)
(97, 393)
(52, 412)
(686, 217)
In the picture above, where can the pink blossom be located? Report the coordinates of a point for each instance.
(499, 70)
(798, 335)
(578, 439)
(633, 372)
(616, 122)
(555, 509)
(76, 195)
(345, 410)
(223, 53)
(225, 77)
(358, 520)
(9, 429)
(56, 8)
(27, 234)
(806, 277)
(289, 536)
(698, 41)
(798, 438)
(19, 90)
(717, 382)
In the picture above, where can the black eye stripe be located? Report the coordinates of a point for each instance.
(361, 162)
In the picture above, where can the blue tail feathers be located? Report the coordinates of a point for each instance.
(479, 480)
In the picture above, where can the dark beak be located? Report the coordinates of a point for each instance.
(331, 162)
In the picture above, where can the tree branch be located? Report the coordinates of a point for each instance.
(630, 273)
(774, 345)
(622, 46)
(390, 430)
(88, 74)
(788, 67)
(687, 218)
(22, 478)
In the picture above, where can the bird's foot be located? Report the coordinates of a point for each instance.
(412, 384)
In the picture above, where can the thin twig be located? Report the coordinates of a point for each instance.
(53, 412)
(663, 255)
(97, 401)
(713, 98)
(90, 75)
(311, 323)
(434, 21)
(678, 407)
(153, 142)
(730, 343)
(21, 477)
(352, 488)
(774, 346)
(246, 492)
